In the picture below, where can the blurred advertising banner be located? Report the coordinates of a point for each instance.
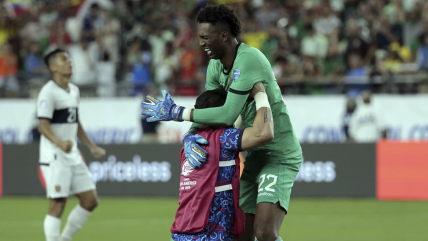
(336, 170)
(328, 170)
(402, 171)
(387, 170)
(126, 170)
(315, 119)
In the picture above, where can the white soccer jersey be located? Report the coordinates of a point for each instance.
(61, 108)
(366, 124)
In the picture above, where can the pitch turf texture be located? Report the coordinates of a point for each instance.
(120, 219)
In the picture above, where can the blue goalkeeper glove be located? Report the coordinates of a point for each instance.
(160, 110)
(195, 155)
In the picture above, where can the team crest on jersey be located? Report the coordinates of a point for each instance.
(58, 188)
(43, 104)
(236, 74)
(186, 169)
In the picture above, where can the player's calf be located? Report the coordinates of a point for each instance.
(268, 220)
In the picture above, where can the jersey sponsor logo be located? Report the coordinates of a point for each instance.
(186, 169)
(236, 74)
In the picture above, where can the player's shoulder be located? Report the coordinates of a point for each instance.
(247, 54)
(48, 87)
(73, 87)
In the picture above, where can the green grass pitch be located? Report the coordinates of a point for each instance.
(129, 219)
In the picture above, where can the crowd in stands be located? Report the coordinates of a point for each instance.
(129, 48)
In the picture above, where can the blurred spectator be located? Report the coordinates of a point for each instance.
(59, 35)
(356, 44)
(367, 123)
(413, 24)
(351, 105)
(92, 23)
(333, 64)
(109, 35)
(166, 68)
(327, 22)
(8, 70)
(139, 60)
(106, 72)
(270, 45)
(313, 44)
(37, 72)
(357, 76)
(254, 36)
(311, 41)
(84, 58)
(422, 53)
(34, 65)
(189, 61)
(387, 33)
(266, 15)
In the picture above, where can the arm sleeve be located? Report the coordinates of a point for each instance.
(231, 139)
(246, 73)
(212, 78)
(45, 104)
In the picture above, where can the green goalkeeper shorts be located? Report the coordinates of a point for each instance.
(267, 182)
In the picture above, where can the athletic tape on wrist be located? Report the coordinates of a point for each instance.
(262, 100)
(186, 114)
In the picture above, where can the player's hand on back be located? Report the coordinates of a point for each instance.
(98, 152)
(195, 155)
(65, 146)
(258, 87)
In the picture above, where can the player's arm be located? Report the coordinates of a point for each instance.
(96, 151)
(246, 73)
(46, 130)
(262, 131)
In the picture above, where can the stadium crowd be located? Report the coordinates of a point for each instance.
(127, 47)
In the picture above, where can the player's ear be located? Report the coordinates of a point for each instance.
(224, 36)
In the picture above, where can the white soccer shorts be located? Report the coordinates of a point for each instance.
(64, 181)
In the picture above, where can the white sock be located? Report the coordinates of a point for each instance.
(52, 227)
(75, 221)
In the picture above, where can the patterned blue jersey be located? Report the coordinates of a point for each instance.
(222, 216)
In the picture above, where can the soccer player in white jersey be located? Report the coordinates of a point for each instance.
(63, 168)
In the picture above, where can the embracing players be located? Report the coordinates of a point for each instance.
(270, 170)
(62, 166)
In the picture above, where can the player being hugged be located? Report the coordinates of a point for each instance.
(209, 195)
(62, 166)
(270, 170)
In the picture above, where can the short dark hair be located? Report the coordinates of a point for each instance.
(214, 14)
(211, 98)
(52, 54)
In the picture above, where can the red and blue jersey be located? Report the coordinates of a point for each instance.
(221, 217)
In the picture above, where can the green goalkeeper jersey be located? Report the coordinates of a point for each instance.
(250, 67)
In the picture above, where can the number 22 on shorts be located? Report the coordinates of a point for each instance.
(268, 187)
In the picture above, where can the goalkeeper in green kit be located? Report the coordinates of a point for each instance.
(270, 170)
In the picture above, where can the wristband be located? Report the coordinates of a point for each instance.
(262, 100)
(186, 114)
